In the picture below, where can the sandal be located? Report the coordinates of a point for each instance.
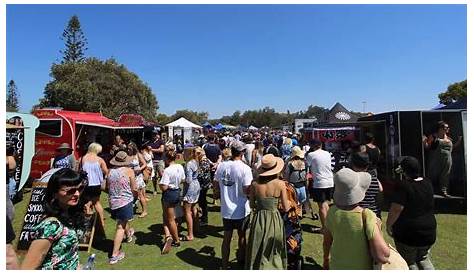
(143, 215)
(167, 246)
(185, 239)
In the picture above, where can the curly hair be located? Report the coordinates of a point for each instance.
(74, 216)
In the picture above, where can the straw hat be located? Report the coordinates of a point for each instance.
(64, 146)
(271, 165)
(350, 186)
(297, 152)
(121, 159)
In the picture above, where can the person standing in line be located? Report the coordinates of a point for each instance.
(360, 163)
(266, 248)
(65, 159)
(122, 187)
(271, 148)
(192, 190)
(411, 221)
(249, 148)
(213, 154)
(158, 149)
(323, 185)
(55, 242)
(374, 153)
(138, 165)
(286, 149)
(173, 176)
(295, 174)
(234, 178)
(149, 172)
(97, 171)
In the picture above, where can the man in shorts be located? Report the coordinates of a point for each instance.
(319, 162)
(234, 179)
(158, 149)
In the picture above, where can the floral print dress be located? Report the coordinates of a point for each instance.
(63, 254)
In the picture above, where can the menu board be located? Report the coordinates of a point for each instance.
(15, 139)
(34, 214)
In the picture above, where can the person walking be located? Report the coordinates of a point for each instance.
(234, 179)
(319, 162)
(55, 244)
(173, 176)
(122, 187)
(208, 167)
(138, 165)
(65, 157)
(96, 170)
(191, 192)
(411, 221)
(352, 236)
(158, 149)
(266, 248)
(295, 174)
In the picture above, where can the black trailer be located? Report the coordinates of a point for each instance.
(400, 133)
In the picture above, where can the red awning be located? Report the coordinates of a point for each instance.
(93, 119)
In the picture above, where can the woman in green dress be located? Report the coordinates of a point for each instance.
(266, 248)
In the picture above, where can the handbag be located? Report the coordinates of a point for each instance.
(396, 261)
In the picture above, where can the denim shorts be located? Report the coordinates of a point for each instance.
(171, 197)
(124, 213)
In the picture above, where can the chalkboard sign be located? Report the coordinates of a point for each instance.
(34, 214)
(15, 139)
(88, 237)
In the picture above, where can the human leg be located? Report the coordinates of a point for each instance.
(188, 212)
(225, 248)
(423, 260)
(408, 253)
(143, 202)
(119, 234)
(100, 211)
(203, 205)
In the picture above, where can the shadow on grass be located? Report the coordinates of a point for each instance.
(209, 230)
(154, 236)
(204, 258)
(309, 228)
(310, 264)
(104, 245)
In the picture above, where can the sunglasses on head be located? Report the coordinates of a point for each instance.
(72, 190)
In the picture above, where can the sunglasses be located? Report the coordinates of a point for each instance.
(72, 190)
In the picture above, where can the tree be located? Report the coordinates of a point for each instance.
(453, 93)
(99, 86)
(74, 40)
(12, 97)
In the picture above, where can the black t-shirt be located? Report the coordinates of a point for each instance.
(271, 150)
(416, 225)
(374, 156)
(156, 145)
(10, 232)
(212, 152)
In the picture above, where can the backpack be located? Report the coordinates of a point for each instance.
(297, 177)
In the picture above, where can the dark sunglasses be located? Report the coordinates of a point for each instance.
(72, 190)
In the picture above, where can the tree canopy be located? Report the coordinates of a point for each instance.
(12, 97)
(453, 93)
(99, 86)
(75, 41)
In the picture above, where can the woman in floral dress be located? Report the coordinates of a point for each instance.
(56, 238)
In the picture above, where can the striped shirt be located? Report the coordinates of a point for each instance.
(370, 201)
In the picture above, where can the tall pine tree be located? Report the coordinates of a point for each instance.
(75, 41)
(12, 97)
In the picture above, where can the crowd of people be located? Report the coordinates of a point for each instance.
(264, 181)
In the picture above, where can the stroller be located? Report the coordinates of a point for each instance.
(293, 231)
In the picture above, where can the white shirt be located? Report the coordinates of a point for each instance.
(320, 166)
(232, 177)
(173, 176)
(248, 153)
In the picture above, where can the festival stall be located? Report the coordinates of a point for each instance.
(79, 129)
(186, 129)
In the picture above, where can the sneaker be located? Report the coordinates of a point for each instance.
(116, 259)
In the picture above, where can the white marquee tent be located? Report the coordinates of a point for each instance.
(182, 124)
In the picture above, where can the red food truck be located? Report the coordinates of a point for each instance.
(76, 128)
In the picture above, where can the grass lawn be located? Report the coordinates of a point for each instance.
(449, 252)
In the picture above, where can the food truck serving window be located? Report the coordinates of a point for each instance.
(50, 127)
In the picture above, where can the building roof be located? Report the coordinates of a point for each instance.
(339, 114)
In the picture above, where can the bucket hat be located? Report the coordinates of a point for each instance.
(350, 186)
(121, 159)
(64, 146)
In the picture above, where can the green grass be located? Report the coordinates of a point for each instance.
(449, 252)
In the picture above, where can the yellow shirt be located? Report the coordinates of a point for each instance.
(350, 248)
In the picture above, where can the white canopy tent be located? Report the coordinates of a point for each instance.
(182, 124)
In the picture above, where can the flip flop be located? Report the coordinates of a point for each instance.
(185, 239)
(142, 215)
(167, 246)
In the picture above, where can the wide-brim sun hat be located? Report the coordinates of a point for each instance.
(270, 165)
(121, 159)
(350, 186)
(297, 152)
(64, 146)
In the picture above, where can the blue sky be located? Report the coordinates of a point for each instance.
(222, 58)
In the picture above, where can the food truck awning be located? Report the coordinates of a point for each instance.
(93, 119)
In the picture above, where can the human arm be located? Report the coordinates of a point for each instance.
(458, 142)
(252, 197)
(284, 197)
(142, 162)
(327, 243)
(36, 254)
(133, 182)
(248, 178)
(393, 214)
(103, 167)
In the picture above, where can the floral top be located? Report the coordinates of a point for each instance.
(63, 254)
(120, 190)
